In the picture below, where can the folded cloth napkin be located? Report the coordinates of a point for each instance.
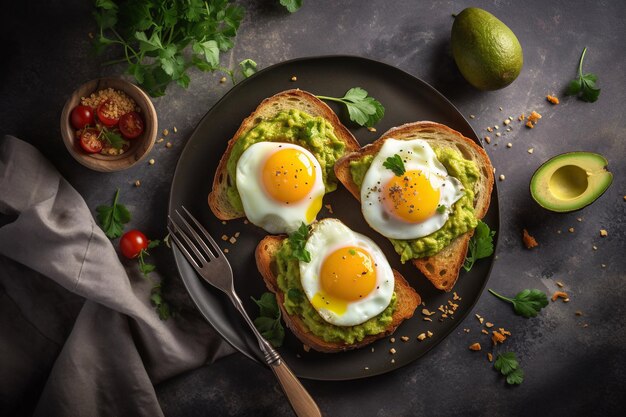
(78, 336)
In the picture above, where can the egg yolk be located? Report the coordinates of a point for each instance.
(347, 274)
(288, 175)
(411, 197)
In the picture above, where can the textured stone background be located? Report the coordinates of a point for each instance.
(570, 369)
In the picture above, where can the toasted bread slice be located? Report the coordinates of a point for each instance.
(441, 269)
(407, 301)
(270, 107)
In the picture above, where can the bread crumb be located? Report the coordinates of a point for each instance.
(426, 312)
(306, 348)
(488, 324)
(497, 337)
(246, 221)
(604, 233)
(329, 208)
(224, 237)
(571, 230)
(429, 333)
(455, 296)
(560, 284)
(466, 330)
(594, 247)
(504, 332)
(392, 340)
(530, 125)
(489, 357)
(531, 150)
(489, 129)
(580, 219)
(472, 116)
(166, 132)
(223, 80)
(404, 338)
(502, 177)
(175, 130)
(392, 351)
(223, 222)
(372, 350)
(393, 361)
(168, 145)
(160, 140)
(294, 78)
(506, 122)
(427, 319)
(421, 336)
(579, 313)
(367, 368)
(484, 331)
(521, 117)
(371, 129)
(528, 240)
(559, 294)
(151, 162)
(534, 117)
(226, 250)
(487, 139)
(509, 145)
(498, 134)
(496, 127)
(137, 183)
(232, 240)
(552, 99)
(475, 347)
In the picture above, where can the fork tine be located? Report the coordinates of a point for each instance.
(183, 249)
(196, 236)
(206, 234)
(194, 249)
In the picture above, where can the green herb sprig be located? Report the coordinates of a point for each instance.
(291, 5)
(395, 164)
(268, 323)
(112, 218)
(526, 303)
(161, 40)
(507, 364)
(584, 87)
(362, 109)
(112, 138)
(480, 246)
(297, 240)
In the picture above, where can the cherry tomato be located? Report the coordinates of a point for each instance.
(81, 117)
(132, 243)
(104, 114)
(89, 141)
(131, 125)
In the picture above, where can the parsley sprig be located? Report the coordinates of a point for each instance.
(268, 323)
(112, 218)
(480, 246)
(160, 40)
(526, 303)
(508, 366)
(395, 164)
(584, 87)
(291, 5)
(112, 138)
(362, 109)
(297, 240)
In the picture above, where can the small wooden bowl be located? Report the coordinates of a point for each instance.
(139, 147)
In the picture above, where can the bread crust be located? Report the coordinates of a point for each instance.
(268, 108)
(441, 269)
(407, 301)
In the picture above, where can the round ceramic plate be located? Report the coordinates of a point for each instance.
(406, 99)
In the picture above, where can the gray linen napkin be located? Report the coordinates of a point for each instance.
(78, 336)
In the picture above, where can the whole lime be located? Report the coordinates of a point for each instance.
(486, 51)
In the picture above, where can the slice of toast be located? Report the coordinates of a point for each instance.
(267, 109)
(407, 301)
(441, 269)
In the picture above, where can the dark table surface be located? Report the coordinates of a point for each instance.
(573, 364)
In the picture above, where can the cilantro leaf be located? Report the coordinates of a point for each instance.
(291, 5)
(584, 87)
(507, 364)
(526, 303)
(362, 109)
(480, 246)
(112, 218)
(160, 305)
(248, 67)
(298, 241)
(268, 323)
(395, 164)
(113, 139)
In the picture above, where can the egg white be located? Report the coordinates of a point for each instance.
(417, 155)
(327, 236)
(260, 208)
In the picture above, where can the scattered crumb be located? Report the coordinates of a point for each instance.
(509, 145)
(579, 313)
(160, 140)
(603, 265)
(429, 333)
(426, 312)
(480, 319)
(371, 129)
(306, 348)
(466, 330)
(137, 183)
(560, 284)
(90, 34)
(488, 324)
(392, 340)
(232, 240)
(455, 296)
(393, 361)
(372, 350)
(506, 122)
(404, 338)
(499, 135)
(223, 222)
(502, 177)
(559, 294)
(151, 162)
(166, 132)
(329, 208)
(427, 319)
(367, 368)
(175, 130)
(226, 250)
(246, 221)
(223, 80)
(530, 150)
(237, 234)
(224, 237)
(580, 219)
(472, 116)
(421, 336)
(168, 145)
(294, 78)
(489, 357)
(497, 337)
(571, 230)
(392, 351)
(530, 125)
(489, 129)
(528, 240)
(604, 233)
(500, 108)
(585, 325)
(552, 99)
(521, 117)
(484, 331)
(496, 127)
(534, 117)
(487, 139)
(475, 347)
(594, 247)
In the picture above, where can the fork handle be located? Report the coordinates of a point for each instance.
(301, 401)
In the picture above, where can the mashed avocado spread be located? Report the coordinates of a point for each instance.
(296, 303)
(461, 218)
(316, 134)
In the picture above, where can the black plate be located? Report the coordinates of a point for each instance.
(406, 99)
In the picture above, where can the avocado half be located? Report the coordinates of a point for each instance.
(570, 181)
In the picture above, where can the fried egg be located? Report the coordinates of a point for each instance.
(280, 185)
(414, 204)
(348, 280)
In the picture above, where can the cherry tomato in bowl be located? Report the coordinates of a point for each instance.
(81, 117)
(132, 243)
(104, 114)
(131, 125)
(89, 140)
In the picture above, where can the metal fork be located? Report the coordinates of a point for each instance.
(211, 264)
